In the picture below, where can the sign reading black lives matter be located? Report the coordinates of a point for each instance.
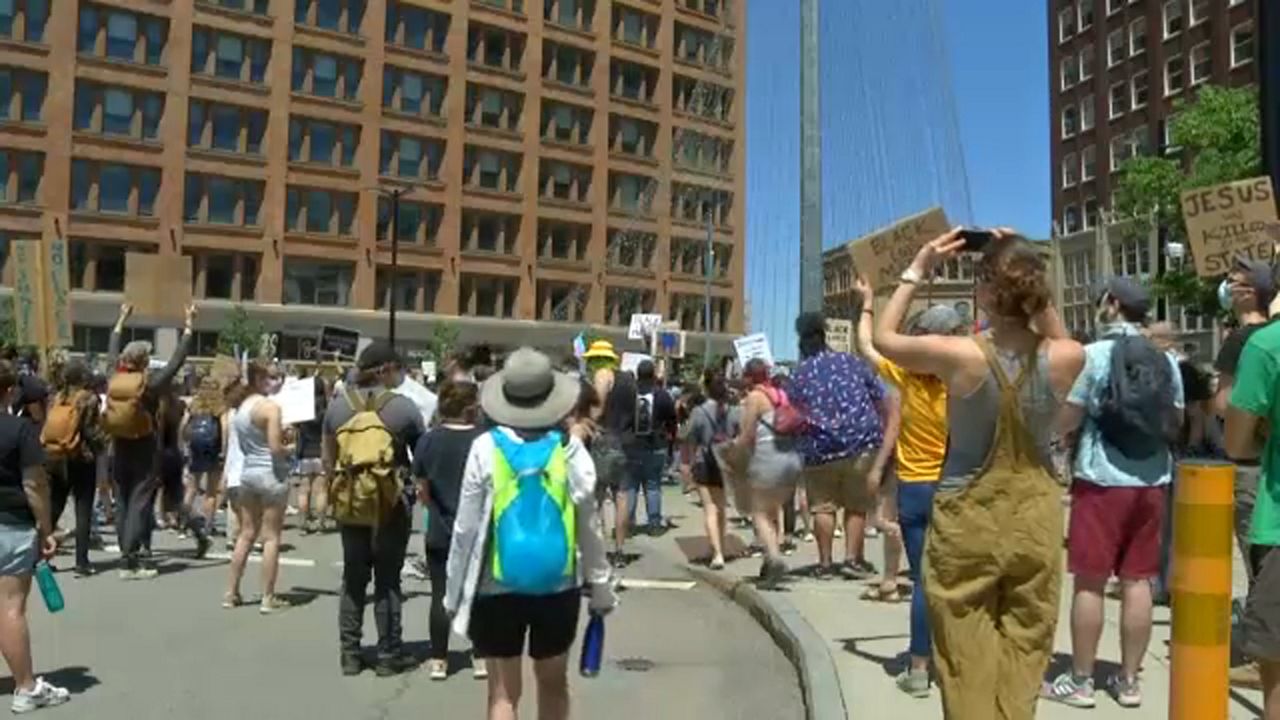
(1227, 221)
(339, 341)
(884, 254)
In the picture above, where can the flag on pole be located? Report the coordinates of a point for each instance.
(579, 345)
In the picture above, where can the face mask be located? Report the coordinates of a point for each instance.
(1224, 295)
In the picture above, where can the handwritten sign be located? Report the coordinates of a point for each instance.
(57, 278)
(426, 400)
(668, 343)
(1229, 220)
(643, 325)
(751, 347)
(297, 400)
(631, 361)
(28, 316)
(840, 335)
(158, 286)
(885, 253)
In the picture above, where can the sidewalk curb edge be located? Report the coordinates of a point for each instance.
(807, 651)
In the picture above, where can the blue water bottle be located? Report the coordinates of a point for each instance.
(592, 647)
(49, 590)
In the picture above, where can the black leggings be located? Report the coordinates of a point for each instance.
(79, 478)
(438, 619)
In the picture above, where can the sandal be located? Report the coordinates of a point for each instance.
(231, 601)
(879, 594)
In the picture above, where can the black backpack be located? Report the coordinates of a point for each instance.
(1136, 412)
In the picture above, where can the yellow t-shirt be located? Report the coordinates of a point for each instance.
(922, 442)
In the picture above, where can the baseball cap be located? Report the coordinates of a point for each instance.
(1129, 293)
(939, 320)
(377, 354)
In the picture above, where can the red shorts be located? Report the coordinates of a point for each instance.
(1115, 531)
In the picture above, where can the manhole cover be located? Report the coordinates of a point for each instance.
(635, 664)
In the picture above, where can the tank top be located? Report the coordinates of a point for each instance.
(969, 442)
(254, 447)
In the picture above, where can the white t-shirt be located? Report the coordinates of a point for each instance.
(234, 465)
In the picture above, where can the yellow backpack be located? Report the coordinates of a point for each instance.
(366, 486)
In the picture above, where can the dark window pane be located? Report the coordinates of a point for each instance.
(219, 275)
(257, 128)
(319, 211)
(259, 52)
(323, 137)
(328, 13)
(295, 139)
(230, 56)
(195, 124)
(193, 194)
(110, 270)
(4, 176)
(324, 79)
(87, 38)
(199, 50)
(226, 128)
(156, 31)
(252, 202)
(114, 185)
(148, 188)
(79, 184)
(222, 200)
(85, 104)
(117, 111)
(346, 213)
(37, 19)
(292, 209)
(122, 35)
(300, 8)
(348, 146)
(30, 169)
(33, 89)
(248, 277)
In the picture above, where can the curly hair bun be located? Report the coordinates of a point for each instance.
(1017, 274)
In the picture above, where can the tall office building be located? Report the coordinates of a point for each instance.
(556, 160)
(1116, 68)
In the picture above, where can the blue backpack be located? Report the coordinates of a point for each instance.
(206, 435)
(534, 535)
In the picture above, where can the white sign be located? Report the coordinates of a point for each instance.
(421, 396)
(840, 335)
(752, 347)
(643, 325)
(361, 344)
(429, 370)
(631, 361)
(297, 400)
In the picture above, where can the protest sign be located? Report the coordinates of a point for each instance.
(158, 286)
(840, 335)
(884, 254)
(297, 400)
(642, 325)
(57, 278)
(1229, 220)
(428, 368)
(668, 343)
(421, 396)
(751, 347)
(28, 315)
(631, 361)
(339, 341)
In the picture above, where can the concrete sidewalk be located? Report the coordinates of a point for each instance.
(863, 640)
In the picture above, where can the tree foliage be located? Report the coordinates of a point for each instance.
(1214, 138)
(443, 340)
(240, 331)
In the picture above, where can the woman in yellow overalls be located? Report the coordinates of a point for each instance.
(993, 554)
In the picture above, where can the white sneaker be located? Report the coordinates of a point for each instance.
(42, 695)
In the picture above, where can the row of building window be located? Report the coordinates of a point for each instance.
(1175, 15)
(1078, 68)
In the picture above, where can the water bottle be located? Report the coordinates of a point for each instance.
(592, 647)
(53, 599)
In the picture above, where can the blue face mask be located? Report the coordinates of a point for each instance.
(1224, 295)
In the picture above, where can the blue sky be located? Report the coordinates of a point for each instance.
(924, 102)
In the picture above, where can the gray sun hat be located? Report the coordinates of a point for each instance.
(528, 394)
(938, 320)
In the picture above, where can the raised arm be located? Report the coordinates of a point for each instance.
(866, 323)
(925, 354)
(113, 345)
(165, 376)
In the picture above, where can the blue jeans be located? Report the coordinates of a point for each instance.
(915, 505)
(644, 470)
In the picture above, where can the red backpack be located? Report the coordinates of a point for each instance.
(787, 418)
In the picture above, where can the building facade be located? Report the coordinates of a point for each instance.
(1116, 69)
(557, 163)
(953, 285)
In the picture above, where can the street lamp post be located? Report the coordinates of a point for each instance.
(1268, 39)
(708, 267)
(395, 263)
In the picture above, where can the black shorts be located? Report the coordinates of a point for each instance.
(499, 624)
(706, 470)
(1262, 612)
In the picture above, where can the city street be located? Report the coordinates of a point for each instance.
(166, 649)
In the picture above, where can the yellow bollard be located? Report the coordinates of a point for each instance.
(1201, 588)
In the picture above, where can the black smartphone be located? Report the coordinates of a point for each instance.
(976, 240)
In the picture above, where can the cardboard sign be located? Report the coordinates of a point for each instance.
(840, 335)
(339, 341)
(297, 400)
(643, 325)
(1227, 221)
(158, 286)
(751, 347)
(884, 254)
(668, 343)
(57, 277)
(28, 315)
(631, 361)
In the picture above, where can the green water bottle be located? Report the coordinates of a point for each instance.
(49, 590)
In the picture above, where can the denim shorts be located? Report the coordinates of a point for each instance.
(18, 551)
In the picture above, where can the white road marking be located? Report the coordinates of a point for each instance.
(642, 584)
(255, 558)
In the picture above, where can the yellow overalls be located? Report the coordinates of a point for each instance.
(993, 570)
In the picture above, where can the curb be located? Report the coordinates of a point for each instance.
(807, 651)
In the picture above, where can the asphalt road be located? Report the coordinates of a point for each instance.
(166, 649)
